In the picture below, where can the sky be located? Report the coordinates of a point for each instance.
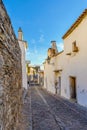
(43, 21)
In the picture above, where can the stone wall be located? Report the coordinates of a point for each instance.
(10, 74)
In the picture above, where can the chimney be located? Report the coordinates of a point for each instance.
(54, 46)
(20, 34)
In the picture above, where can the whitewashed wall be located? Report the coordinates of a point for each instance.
(24, 74)
(77, 62)
(72, 65)
(49, 77)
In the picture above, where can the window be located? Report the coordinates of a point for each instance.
(74, 47)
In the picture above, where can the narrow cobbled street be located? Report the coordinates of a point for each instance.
(44, 111)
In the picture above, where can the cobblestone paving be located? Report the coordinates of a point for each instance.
(41, 115)
(50, 113)
(44, 111)
(71, 116)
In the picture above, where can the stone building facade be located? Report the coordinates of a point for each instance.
(10, 74)
(65, 73)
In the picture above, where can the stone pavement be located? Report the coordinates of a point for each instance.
(44, 111)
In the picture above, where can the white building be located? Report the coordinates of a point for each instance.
(23, 46)
(66, 72)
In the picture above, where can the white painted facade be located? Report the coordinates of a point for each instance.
(49, 75)
(70, 67)
(23, 45)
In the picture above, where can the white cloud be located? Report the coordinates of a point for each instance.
(41, 39)
(27, 51)
(31, 52)
(33, 41)
(35, 50)
(35, 55)
(60, 46)
(41, 31)
(41, 56)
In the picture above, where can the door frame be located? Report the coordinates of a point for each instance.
(73, 87)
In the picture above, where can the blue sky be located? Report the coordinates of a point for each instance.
(43, 21)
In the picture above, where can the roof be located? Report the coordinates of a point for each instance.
(19, 30)
(53, 41)
(78, 21)
(57, 71)
(58, 53)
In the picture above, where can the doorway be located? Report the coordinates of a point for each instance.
(73, 88)
(59, 85)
